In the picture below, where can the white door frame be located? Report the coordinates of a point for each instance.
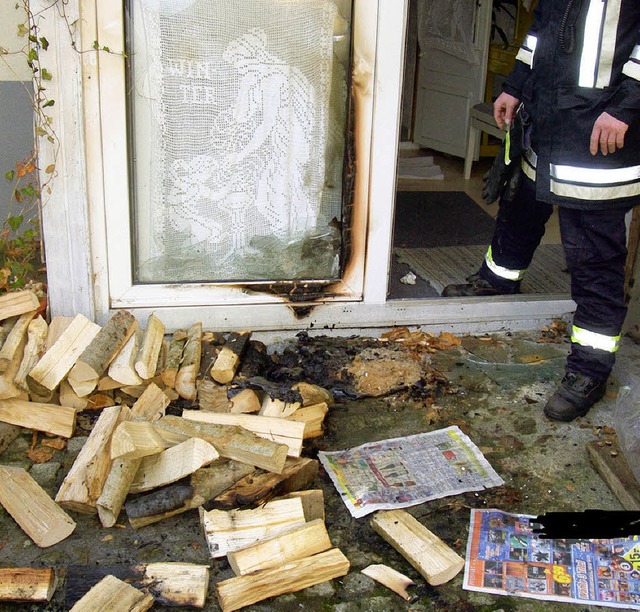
(74, 220)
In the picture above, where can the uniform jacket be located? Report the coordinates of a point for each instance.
(580, 58)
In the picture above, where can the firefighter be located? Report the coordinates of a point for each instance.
(574, 97)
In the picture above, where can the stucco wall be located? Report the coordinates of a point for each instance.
(16, 118)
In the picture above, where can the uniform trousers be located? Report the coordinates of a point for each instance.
(595, 247)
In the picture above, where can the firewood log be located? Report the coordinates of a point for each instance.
(122, 368)
(236, 593)
(30, 506)
(225, 366)
(190, 366)
(203, 485)
(115, 490)
(150, 405)
(27, 584)
(84, 482)
(171, 583)
(174, 358)
(312, 394)
(298, 473)
(14, 344)
(173, 464)
(135, 440)
(231, 442)
(313, 418)
(112, 594)
(426, 552)
(147, 358)
(33, 351)
(95, 359)
(296, 543)
(281, 431)
(226, 531)
(58, 360)
(17, 303)
(50, 418)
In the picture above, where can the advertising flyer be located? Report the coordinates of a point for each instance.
(505, 557)
(403, 472)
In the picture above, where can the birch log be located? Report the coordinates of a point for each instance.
(95, 359)
(228, 360)
(30, 506)
(17, 303)
(190, 366)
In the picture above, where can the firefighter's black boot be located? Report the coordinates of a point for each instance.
(475, 285)
(575, 395)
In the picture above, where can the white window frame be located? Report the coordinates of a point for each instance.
(75, 217)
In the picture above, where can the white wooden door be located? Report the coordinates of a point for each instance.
(454, 42)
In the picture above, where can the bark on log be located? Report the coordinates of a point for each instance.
(30, 506)
(277, 430)
(112, 594)
(174, 357)
(298, 473)
(115, 490)
(95, 359)
(225, 366)
(202, 486)
(190, 366)
(231, 442)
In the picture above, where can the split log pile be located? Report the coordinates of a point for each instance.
(230, 450)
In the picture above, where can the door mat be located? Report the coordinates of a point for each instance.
(439, 218)
(452, 264)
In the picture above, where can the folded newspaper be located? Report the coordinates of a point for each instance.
(505, 557)
(403, 472)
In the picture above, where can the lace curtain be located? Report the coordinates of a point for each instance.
(448, 26)
(238, 108)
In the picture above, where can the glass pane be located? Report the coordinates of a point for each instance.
(238, 114)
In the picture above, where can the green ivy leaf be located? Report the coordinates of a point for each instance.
(44, 42)
(10, 175)
(96, 46)
(22, 31)
(15, 222)
(28, 191)
(32, 56)
(46, 75)
(48, 103)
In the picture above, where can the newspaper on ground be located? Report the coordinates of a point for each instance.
(505, 557)
(403, 472)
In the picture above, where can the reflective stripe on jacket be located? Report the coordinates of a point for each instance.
(580, 59)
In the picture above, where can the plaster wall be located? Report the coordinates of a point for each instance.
(16, 118)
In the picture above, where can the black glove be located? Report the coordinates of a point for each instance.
(503, 179)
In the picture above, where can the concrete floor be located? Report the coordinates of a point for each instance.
(495, 394)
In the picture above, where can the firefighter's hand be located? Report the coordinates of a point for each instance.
(607, 135)
(504, 109)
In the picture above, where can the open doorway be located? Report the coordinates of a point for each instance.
(442, 227)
